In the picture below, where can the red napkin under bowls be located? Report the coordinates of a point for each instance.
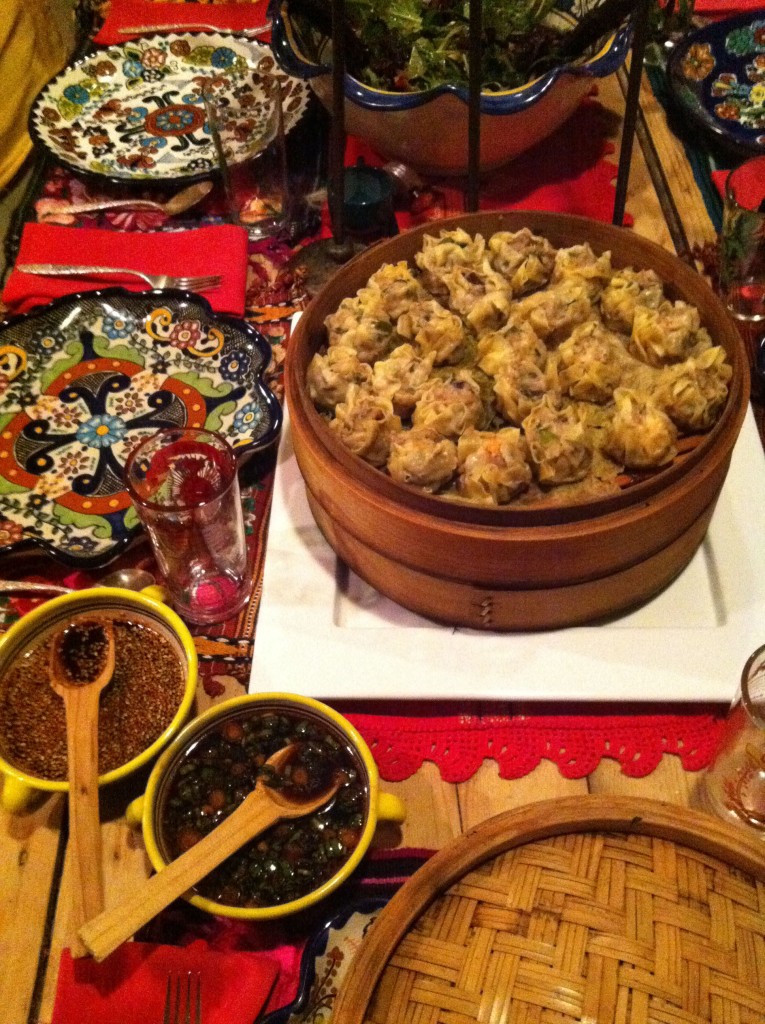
(129, 986)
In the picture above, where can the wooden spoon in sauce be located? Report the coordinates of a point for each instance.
(260, 809)
(81, 665)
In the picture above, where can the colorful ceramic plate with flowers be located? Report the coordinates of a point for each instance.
(86, 377)
(324, 962)
(717, 74)
(136, 111)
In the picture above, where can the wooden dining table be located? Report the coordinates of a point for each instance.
(665, 204)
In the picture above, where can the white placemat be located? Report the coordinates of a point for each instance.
(323, 632)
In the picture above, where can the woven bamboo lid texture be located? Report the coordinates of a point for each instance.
(587, 909)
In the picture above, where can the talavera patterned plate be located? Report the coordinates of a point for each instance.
(135, 111)
(324, 962)
(84, 378)
(717, 74)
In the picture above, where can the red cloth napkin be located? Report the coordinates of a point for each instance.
(726, 8)
(566, 173)
(126, 13)
(719, 180)
(214, 249)
(129, 986)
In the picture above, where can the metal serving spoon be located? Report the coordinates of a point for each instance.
(181, 201)
(81, 665)
(260, 809)
(129, 579)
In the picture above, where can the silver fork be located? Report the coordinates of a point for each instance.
(200, 283)
(183, 1007)
(250, 33)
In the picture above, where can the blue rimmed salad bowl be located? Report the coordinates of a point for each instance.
(426, 125)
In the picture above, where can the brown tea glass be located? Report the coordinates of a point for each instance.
(733, 786)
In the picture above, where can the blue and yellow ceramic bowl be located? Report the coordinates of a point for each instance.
(428, 130)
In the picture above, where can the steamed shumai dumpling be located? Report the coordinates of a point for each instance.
(330, 374)
(693, 393)
(489, 311)
(362, 323)
(423, 458)
(590, 363)
(555, 312)
(351, 311)
(402, 377)
(518, 386)
(626, 290)
(398, 288)
(561, 452)
(433, 330)
(514, 342)
(579, 262)
(450, 405)
(493, 467)
(439, 255)
(668, 334)
(467, 286)
(449, 249)
(640, 435)
(364, 423)
(526, 260)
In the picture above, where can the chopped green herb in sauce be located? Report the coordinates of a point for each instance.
(292, 858)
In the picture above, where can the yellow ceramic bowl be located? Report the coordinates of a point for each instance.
(19, 786)
(380, 806)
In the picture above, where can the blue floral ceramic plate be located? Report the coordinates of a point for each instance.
(717, 75)
(325, 959)
(84, 378)
(136, 112)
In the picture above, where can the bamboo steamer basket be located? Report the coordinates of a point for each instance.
(587, 908)
(514, 568)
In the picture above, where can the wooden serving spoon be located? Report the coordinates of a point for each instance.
(128, 579)
(81, 665)
(263, 807)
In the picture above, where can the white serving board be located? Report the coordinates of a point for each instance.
(323, 632)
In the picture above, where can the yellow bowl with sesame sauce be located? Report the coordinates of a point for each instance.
(20, 781)
(300, 717)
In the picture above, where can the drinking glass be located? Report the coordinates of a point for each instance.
(183, 484)
(742, 255)
(247, 131)
(733, 787)
(368, 194)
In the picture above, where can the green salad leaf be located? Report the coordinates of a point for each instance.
(411, 45)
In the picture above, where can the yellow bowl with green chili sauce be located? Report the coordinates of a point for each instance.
(27, 702)
(211, 766)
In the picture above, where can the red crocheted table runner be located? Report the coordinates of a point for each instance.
(459, 744)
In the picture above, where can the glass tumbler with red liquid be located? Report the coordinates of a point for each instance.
(183, 483)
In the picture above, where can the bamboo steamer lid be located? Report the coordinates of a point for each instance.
(585, 909)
